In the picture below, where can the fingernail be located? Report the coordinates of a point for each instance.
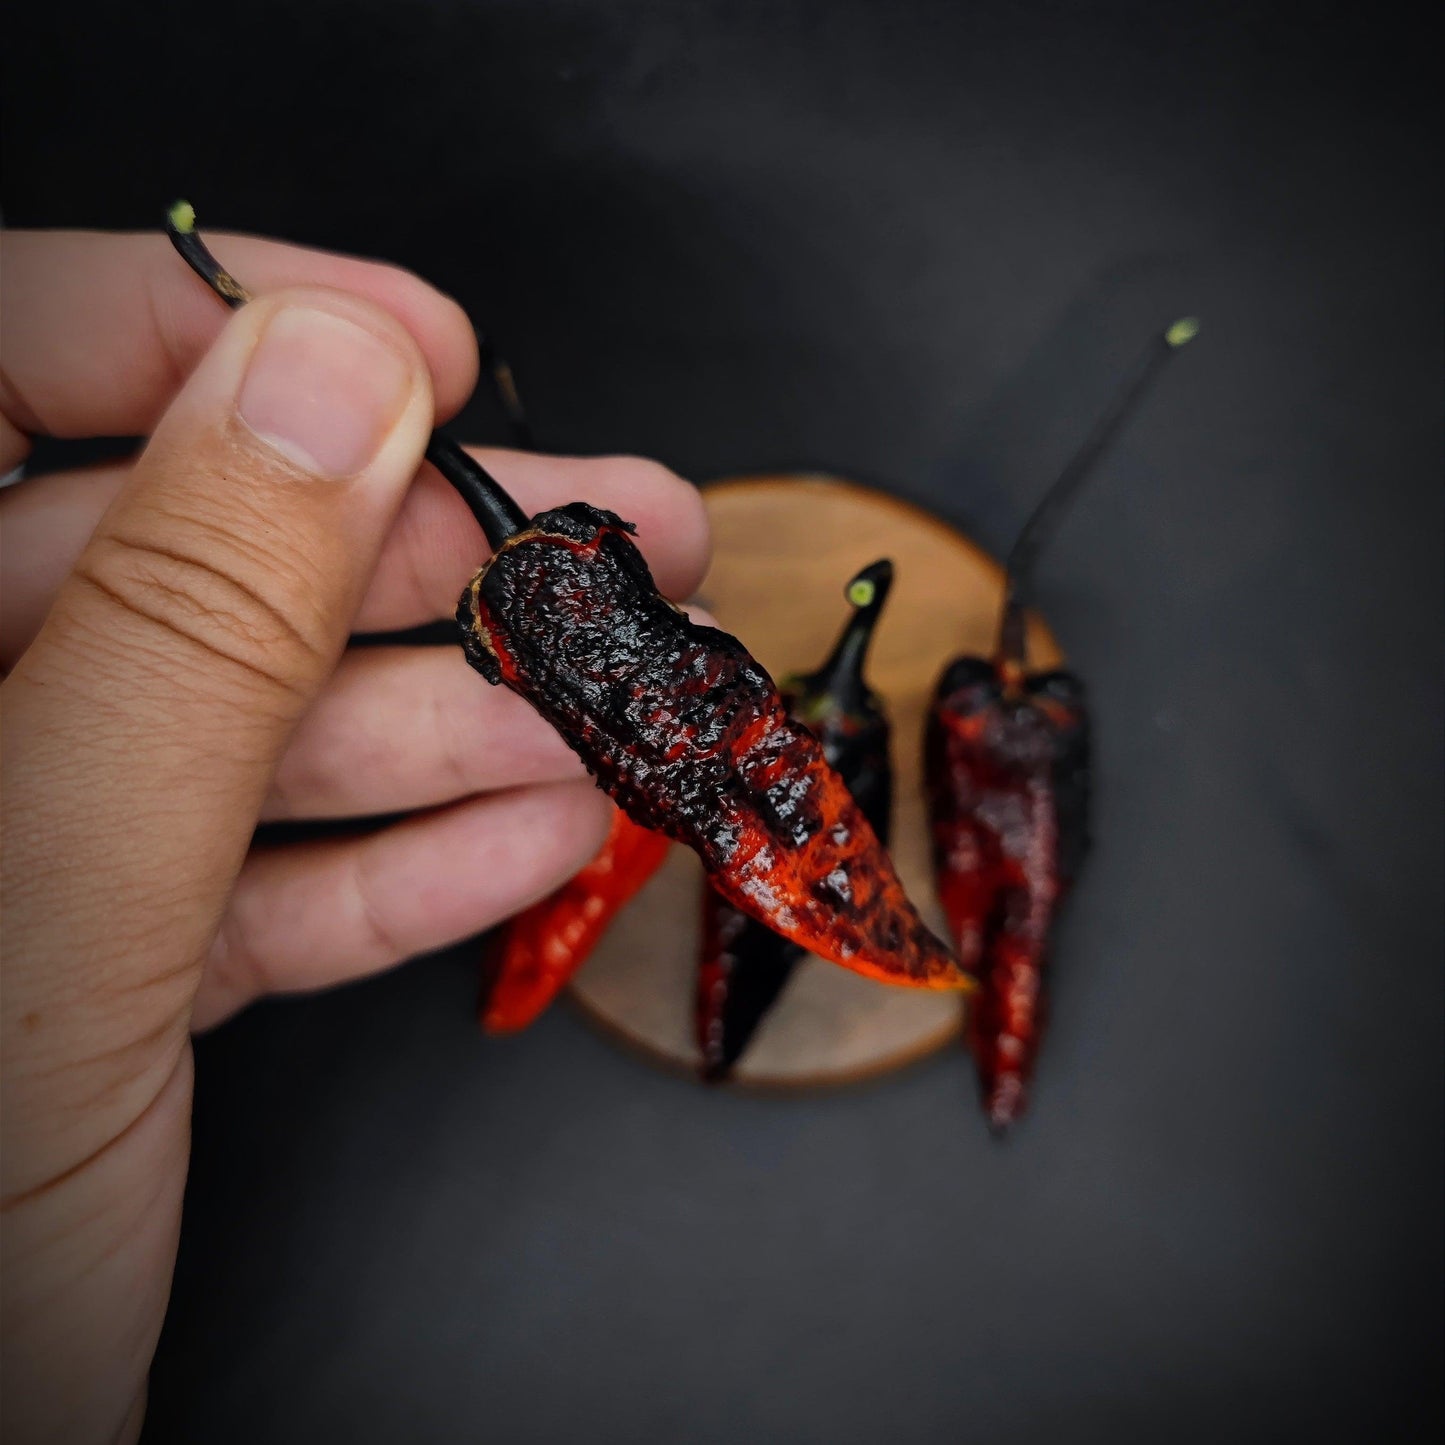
(323, 391)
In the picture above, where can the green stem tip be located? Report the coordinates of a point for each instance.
(1183, 331)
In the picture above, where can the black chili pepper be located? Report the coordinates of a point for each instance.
(679, 724)
(1006, 772)
(744, 967)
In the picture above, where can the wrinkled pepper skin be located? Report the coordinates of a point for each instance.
(744, 967)
(542, 947)
(689, 736)
(1007, 777)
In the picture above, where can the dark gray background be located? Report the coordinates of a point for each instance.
(913, 243)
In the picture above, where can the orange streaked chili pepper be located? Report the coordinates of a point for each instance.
(543, 946)
(1006, 768)
(679, 724)
(744, 967)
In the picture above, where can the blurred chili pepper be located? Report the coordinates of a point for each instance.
(542, 947)
(743, 966)
(681, 727)
(1006, 770)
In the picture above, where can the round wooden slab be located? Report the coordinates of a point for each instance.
(785, 547)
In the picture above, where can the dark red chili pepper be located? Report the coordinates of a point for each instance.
(679, 724)
(744, 966)
(1006, 771)
(542, 947)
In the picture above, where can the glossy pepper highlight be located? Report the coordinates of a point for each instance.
(1006, 769)
(678, 723)
(744, 967)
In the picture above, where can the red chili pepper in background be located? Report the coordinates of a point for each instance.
(542, 947)
(679, 724)
(743, 966)
(1006, 770)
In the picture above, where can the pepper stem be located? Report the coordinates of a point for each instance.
(1044, 520)
(841, 676)
(181, 228)
(491, 504)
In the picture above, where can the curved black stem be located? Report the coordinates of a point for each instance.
(491, 504)
(841, 676)
(181, 228)
(1044, 519)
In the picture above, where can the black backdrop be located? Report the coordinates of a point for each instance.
(913, 243)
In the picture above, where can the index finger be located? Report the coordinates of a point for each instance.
(99, 330)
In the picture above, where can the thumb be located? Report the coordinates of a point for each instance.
(144, 723)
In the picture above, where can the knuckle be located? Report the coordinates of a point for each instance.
(205, 600)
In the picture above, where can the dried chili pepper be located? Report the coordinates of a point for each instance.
(542, 947)
(744, 967)
(1006, 771)
(679, 724)
(534, 955)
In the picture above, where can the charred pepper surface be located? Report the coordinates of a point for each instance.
(1008, 780)
(744, 967)
(1006, 770)
(678, 723)
(690, 737)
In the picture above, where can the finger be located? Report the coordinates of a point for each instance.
(429, 555)
(100, 330)
(309, 915)
(400, 728)
(145, 723)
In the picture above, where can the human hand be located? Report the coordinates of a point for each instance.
(174, 635)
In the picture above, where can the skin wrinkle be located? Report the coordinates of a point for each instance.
(265, 561)
(241, 615)
(451, 748)
(154, 617)
(134, 1211)
(360, 887)
(15, 1199)
(72, 643)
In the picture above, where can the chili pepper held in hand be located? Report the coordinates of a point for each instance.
(1006, 771)
(534, 955)
(743, 966)
(542, 947)
(678, 723)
